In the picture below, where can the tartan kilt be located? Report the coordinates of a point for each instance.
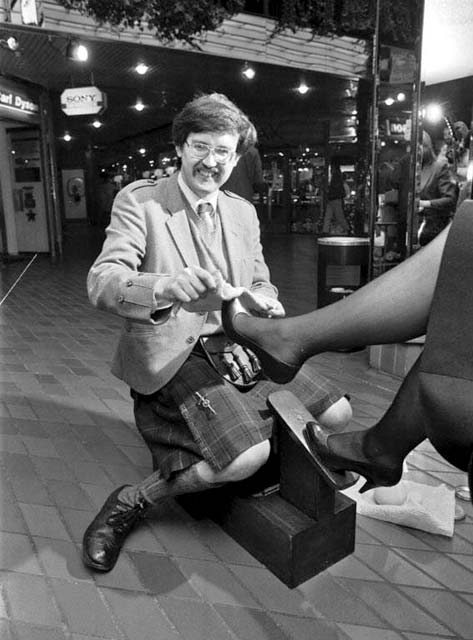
(180, 430)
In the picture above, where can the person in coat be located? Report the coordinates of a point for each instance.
(174, 250)
(438, 193)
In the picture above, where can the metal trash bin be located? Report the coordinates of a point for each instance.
(342, 267)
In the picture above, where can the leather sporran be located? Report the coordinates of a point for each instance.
(236, 364)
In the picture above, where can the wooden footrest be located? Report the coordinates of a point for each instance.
(298, 530)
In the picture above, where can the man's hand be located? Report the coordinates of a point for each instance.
(196, 290)
(189, 285)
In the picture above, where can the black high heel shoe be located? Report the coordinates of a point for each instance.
(275, 369)
(376, 474)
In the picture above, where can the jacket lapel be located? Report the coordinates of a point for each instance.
(178, 226)
(178, 223)
(232, 231)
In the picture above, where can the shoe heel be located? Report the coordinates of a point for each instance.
(367, 486)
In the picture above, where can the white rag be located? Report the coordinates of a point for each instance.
(428, 508)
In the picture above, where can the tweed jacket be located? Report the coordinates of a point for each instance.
(149, 239)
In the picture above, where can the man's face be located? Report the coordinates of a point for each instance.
(205, 171)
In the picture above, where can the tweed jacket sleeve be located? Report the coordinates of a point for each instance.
(149, 240)
(119, 281)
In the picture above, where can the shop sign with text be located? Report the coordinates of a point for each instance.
(17, 103)
(82, 101)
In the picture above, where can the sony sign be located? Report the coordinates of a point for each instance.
(82, 101)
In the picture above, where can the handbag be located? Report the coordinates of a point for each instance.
(236, 364)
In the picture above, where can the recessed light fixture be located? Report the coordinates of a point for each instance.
(401, 96)
(389, 101)
(139, 106)
(248, 72)
(97, 124)
(67, 137)
(142, 150)
(302, 88)
(141, 68)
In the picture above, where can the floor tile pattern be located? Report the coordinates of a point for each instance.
(67, 438)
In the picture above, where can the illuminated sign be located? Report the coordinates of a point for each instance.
(82, 101)
(17, 103)
(397, 128)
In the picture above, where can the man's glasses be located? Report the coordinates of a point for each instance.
(201, 150)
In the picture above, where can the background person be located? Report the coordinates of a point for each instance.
(246, 179)
(438, 193)
(334, 218)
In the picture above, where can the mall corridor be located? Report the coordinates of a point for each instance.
(68, 438)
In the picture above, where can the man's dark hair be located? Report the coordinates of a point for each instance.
(213, 112)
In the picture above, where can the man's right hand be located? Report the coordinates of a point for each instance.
(190, 284)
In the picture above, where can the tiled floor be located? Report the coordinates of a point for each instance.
(68, 438)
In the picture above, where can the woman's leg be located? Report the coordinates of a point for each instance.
(376, 453)
(436, 398)
(392, 308)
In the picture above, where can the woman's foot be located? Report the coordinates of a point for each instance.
(266, 338)
(348, 452)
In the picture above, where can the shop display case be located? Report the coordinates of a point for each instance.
(308, 177)
(395, 159)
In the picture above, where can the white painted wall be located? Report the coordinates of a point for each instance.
(447, 40)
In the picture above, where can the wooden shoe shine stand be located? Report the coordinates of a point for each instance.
(287, 516)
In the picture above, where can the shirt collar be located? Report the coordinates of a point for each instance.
(193, 198)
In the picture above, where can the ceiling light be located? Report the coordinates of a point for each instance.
(97, 124)
(141, 68)
(67, 137)
(248, 72)
(389, 101)
(433, 113)
(142, 150)
(76, 51)
(401, 96)
(10, 43)
(139, 106)
(302, 88)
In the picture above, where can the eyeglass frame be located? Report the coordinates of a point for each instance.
(210, 149)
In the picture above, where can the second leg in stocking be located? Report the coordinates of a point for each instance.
(376, 453)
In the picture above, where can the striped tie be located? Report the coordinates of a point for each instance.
(205, 211)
